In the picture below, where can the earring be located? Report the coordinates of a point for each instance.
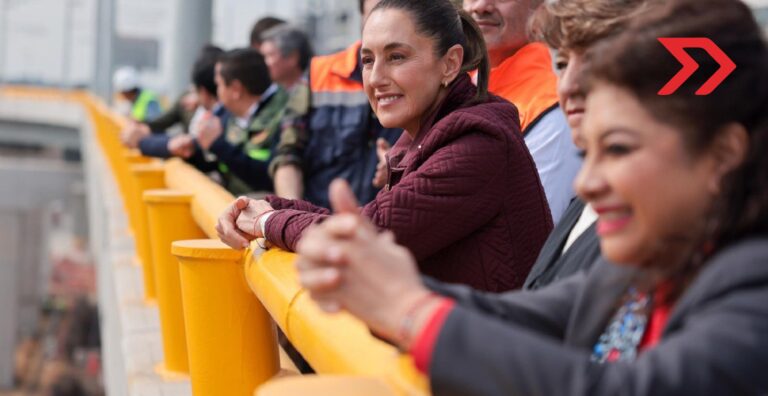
(445, 84)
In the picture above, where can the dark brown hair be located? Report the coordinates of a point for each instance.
(448, 26)
(204, 69)
(247, 66)
(637, 61)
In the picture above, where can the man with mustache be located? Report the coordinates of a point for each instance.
(522, 73)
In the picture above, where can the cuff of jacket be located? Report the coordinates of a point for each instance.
(282, 203)
(280, 232)
(425, 341)
(155, 146)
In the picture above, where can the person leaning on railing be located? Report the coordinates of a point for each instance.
(680, 184)
(243, 139)
(144, 105)
(153, 138)
(570, 27)
(463, 193)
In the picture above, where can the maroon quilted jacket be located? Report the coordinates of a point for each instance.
(464, 196)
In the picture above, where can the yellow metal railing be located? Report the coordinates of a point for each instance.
(217, 305)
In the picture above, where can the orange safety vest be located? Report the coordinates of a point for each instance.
(331, 73)
(527, 80)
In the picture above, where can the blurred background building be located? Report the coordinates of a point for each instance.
(78, 43)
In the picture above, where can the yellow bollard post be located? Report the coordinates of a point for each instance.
(127, 185)
(230, 337)
(326, 385)
(170, 219)
(145, 177)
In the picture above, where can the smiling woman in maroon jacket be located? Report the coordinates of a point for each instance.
(463, 194)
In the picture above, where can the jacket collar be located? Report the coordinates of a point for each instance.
(606, 284)
(348, 64)
(739, 265)
(460, 92)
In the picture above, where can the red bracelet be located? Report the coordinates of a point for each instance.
(406, 325)
(256, 223)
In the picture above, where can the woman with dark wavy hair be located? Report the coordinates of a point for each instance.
(680, 186)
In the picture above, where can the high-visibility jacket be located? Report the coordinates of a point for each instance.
(526, 79)
(244, 154)
(342, 128)
(146, 106)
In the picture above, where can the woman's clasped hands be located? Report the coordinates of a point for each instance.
(346, 263)
(239, 224)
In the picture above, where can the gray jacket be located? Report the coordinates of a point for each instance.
(715, 341)
(552, 264)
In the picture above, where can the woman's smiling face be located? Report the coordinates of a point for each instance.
(402, 75)
(649, 191)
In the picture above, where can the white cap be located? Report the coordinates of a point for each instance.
(125, 79)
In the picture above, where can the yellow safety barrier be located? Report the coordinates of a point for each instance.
(230, 298)
(210, 198)
(170, 220)
(145, 177)
(232, 340)
(332, 344)
(325, 385)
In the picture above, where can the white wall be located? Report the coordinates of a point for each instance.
(54, 42)
(47, 41)
(148, 20)
(338, 21)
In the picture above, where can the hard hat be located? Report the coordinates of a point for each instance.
(126, 79)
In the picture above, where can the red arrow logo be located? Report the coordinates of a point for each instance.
(676, 46)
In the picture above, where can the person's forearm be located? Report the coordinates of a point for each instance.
(289, 182)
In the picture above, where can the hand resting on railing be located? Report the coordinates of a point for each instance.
(241, 222)
(227, 229)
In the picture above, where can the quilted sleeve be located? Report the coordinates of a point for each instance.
(283, 203)
(287, 223)
(452, 194)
